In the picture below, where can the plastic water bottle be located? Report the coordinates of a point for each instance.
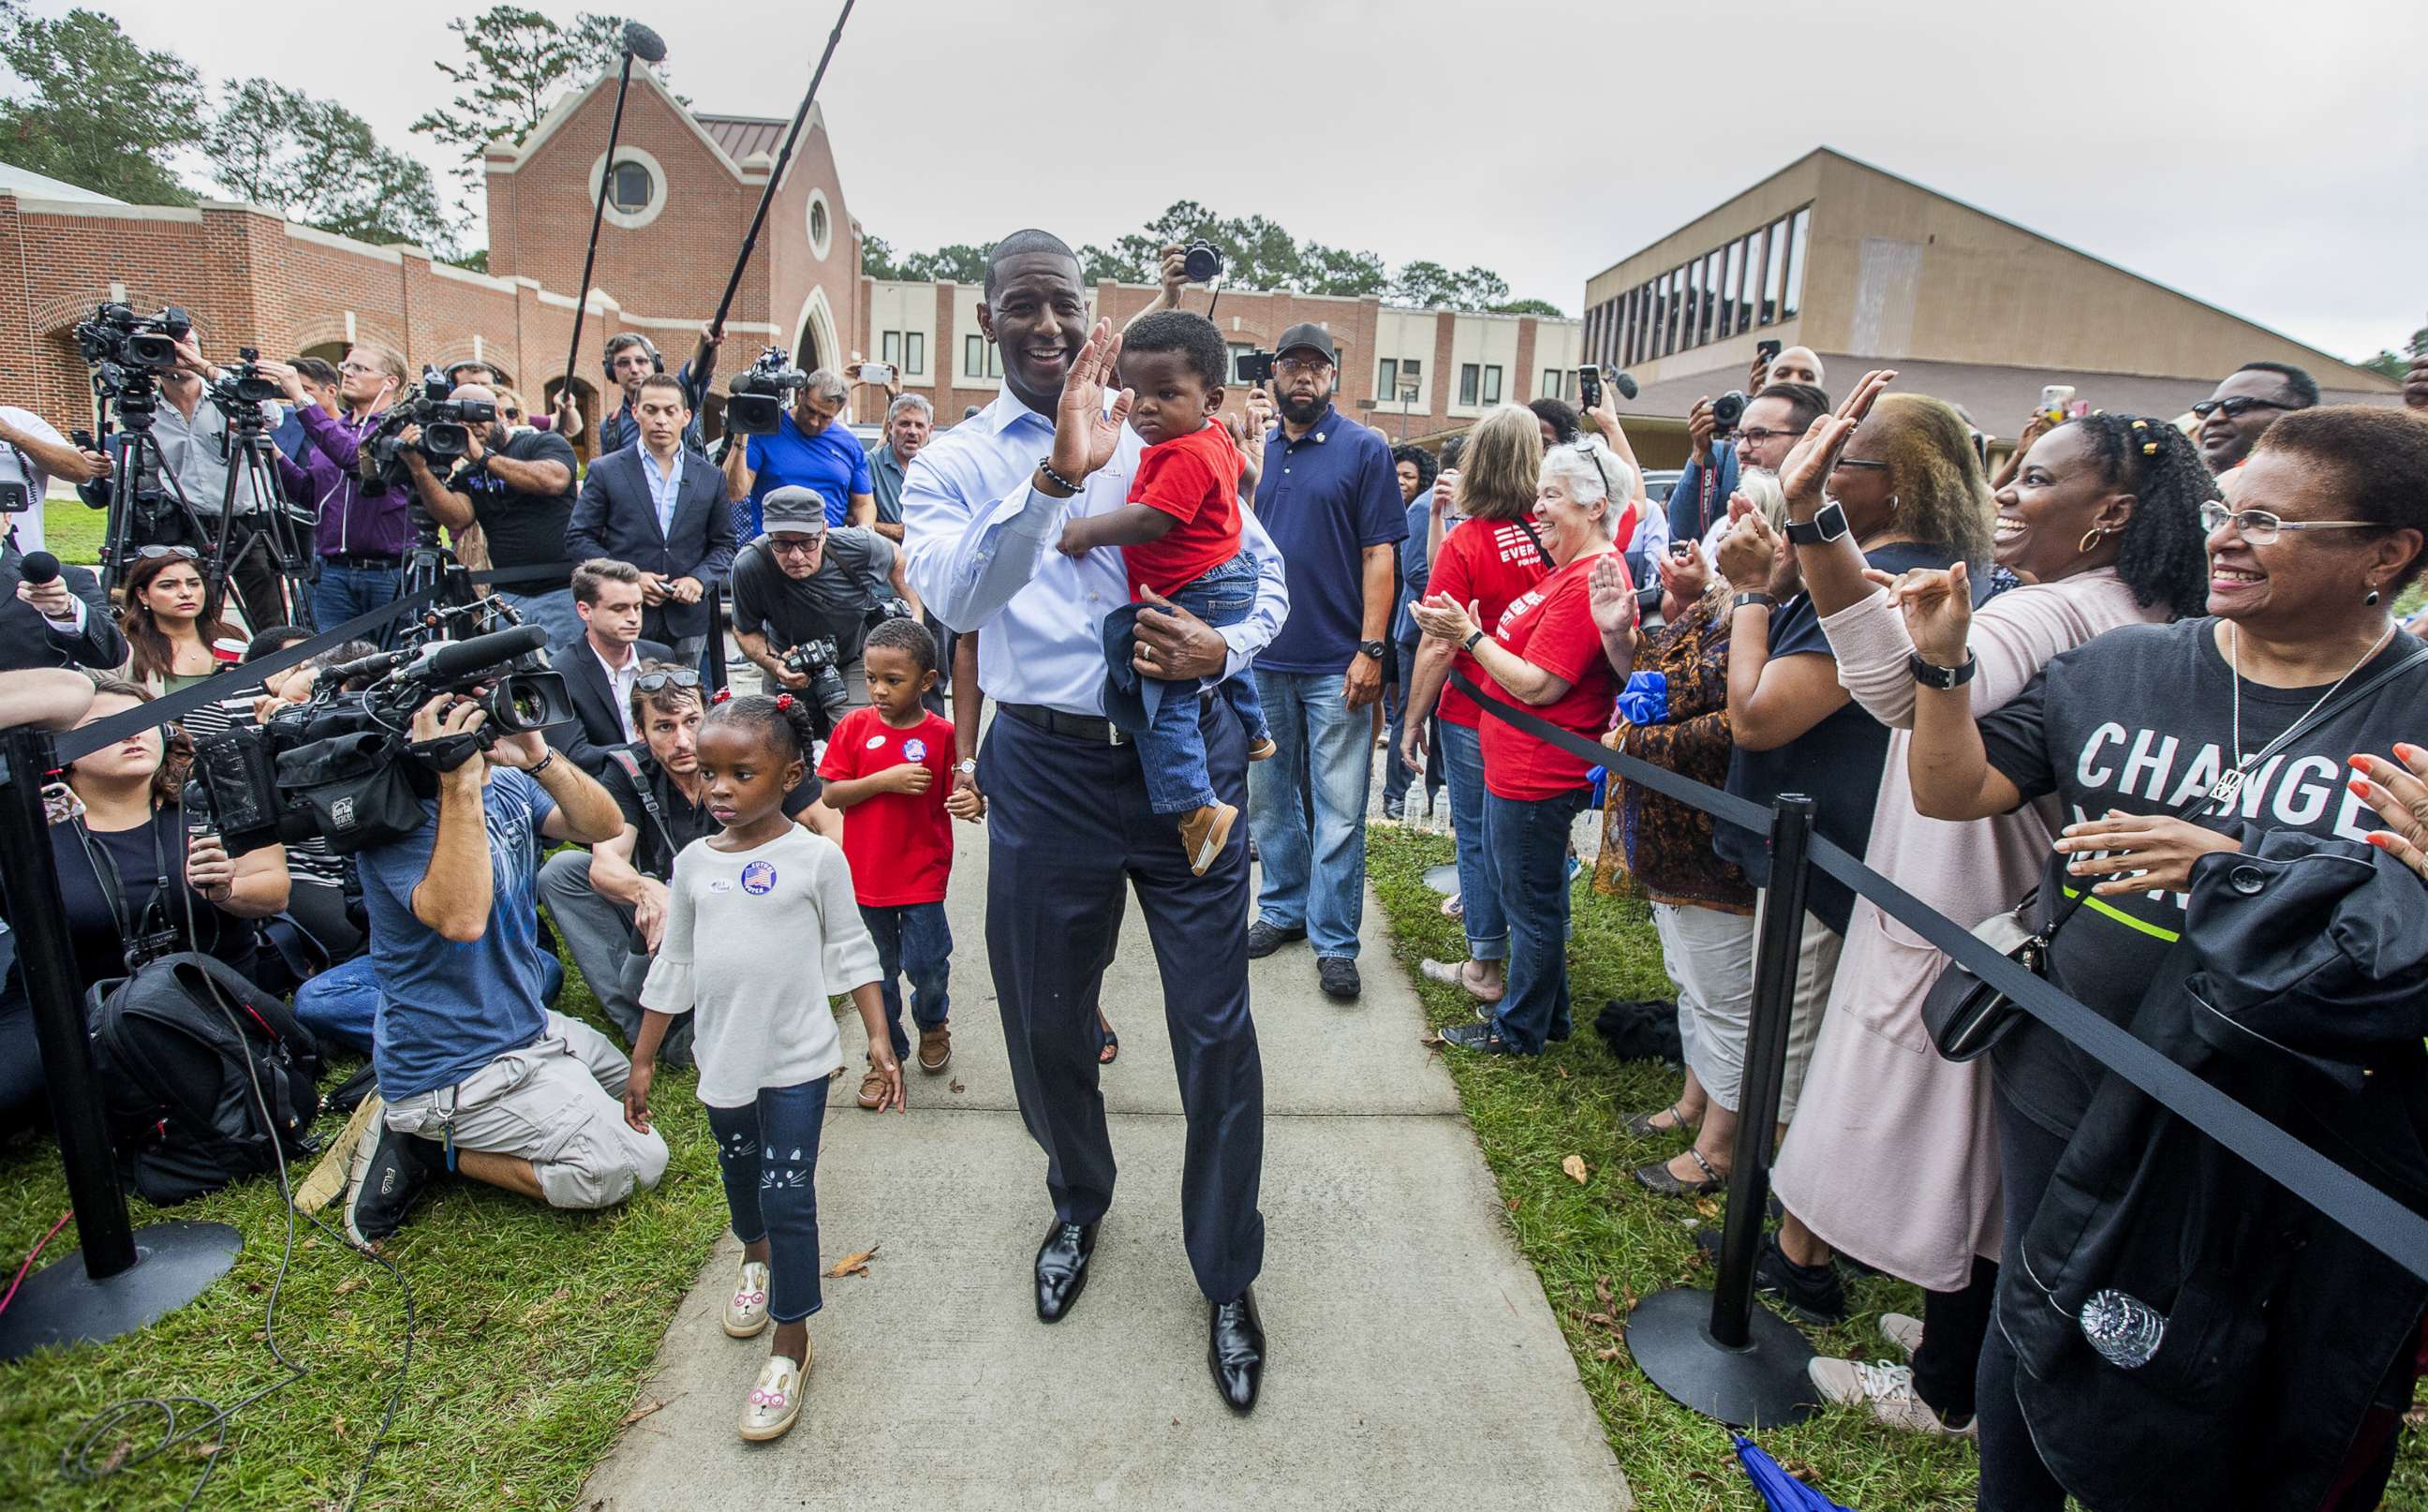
(2124, 1330)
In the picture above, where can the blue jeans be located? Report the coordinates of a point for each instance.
(1529, 841)
(344, 592)
(1171, 752)
(769, 1155)
(1314, 872)
(341, 1005)
(1398, 775)
(1460, 748)
(912, 939)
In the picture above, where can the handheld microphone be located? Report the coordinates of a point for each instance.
(643, 44)
(38, 567)
(462, 658)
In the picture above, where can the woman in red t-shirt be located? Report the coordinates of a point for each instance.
(1553, 651)
(1485, 552)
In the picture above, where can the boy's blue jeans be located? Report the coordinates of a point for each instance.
(912, 940)
(769, 1155)
(1172, 751)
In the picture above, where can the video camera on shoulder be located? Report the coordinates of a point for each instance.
(755, 400)
(341, 766)
(446, 430)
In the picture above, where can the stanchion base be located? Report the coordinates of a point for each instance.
(1760, 1385)
(176, 1263)
(1443, 878)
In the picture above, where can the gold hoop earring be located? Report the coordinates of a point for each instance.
(2091, 539)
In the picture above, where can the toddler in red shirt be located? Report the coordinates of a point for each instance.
(1179, 535)
(889, 768)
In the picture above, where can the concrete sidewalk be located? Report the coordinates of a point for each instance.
(1414, 1361)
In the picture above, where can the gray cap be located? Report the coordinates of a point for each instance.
(801, 511)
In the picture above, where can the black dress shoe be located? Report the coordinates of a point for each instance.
(1235, 1351)
(1063, 1268)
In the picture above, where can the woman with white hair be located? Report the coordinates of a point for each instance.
(1556, 652)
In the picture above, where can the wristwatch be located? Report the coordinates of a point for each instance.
(1767, 600)
(967, 766)
(1932, 675)
(1827, 525)
(1374, 648)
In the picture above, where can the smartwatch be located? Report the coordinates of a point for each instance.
(1827, 525)
(1932, 675)
(1744, 599)
(1468, 645)
(1374, 648)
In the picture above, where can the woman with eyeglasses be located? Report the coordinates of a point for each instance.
(1552, 652)
(2125, 732)
(1892, 1157)
(171, 621)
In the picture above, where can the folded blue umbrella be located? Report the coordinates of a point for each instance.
(1780, 1492)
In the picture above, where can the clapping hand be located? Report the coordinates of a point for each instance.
(1611, 596)
(1937, 608)
(1085, 432)
(1440, 616)
(1750, 553)
(1684, 579)
(1805, 474)
(2399, 796)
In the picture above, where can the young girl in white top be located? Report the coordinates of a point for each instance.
(760, 928)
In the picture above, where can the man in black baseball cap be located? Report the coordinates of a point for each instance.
(1329, 496)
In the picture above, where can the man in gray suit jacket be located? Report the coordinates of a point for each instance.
(660, 505)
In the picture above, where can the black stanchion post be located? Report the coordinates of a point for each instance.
(1726, 1358)
(715, 640)
(119, 1278)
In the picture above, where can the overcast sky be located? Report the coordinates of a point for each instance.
(2266, 158)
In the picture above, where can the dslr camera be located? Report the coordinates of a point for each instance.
(755, 400)
(1203, 261)
(820, 661)
(446, 430)
(117, 337)
(340, 765)
(1727, 410)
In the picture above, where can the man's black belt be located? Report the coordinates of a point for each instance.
(360, 562)
(1091, 728)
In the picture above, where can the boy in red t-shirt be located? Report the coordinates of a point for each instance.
(1179, 535)
(889, 767)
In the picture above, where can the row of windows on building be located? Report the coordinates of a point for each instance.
(1755, 280)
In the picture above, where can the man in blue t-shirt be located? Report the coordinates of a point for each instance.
(478, 1077)
(1330, 497)
(811, 448)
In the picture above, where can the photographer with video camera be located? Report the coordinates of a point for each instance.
(364, 527)
(810, 448)
(804, 598)
(517, 487)
(479, 1076)
(199, 450)
(660, 506)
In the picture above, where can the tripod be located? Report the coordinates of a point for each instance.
(271, 528)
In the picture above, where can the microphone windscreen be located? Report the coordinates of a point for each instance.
(643, 44)
(1624, 383)
(38, 567)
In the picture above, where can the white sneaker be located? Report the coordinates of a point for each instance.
(745, 1311)
(1887, 1388)
(1902, 1331)
(774, 1401)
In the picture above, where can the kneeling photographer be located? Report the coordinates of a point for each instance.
(805, 596)
(517, 487)
(610, 902)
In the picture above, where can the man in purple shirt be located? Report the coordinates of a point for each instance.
(363, 532)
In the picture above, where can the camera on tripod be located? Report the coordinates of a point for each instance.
(445, 431)
(754, 401)
(242, 387)
(117, 337)
(341, 767)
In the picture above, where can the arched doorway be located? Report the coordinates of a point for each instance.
(815, 342)
(585, 398)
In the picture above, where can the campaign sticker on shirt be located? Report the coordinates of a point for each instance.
(718, 884)
(914, 749)
(875, 741)
(758, 877)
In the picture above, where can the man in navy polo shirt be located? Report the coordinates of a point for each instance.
(811, 448)
(1329, 496)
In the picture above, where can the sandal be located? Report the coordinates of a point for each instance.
(1110, 1050)
(1453, 908)
(1453, 974)
(1661, 1181)
(1642, 1127)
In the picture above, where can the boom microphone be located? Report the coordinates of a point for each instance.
(1624, 383)
(643, 44)
(443, 659)
(38, 567)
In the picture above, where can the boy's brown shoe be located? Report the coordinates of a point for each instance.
(1203, 832)
(936, 1049)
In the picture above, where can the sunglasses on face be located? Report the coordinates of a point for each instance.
(1859, 466)
(2258, 527)
(655, 681)
(2236, 407)
(794, 544)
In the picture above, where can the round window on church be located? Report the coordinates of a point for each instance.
(821, 227)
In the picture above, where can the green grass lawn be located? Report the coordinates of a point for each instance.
(532, 1330)
(72, 531)
(1531, 1114)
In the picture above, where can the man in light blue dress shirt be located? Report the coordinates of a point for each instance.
(1069, 823)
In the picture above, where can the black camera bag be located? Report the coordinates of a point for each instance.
(357, 788)
(180, 1046)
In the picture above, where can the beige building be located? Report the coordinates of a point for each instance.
(1870, 270)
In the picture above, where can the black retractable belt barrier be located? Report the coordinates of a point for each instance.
(2341, 1196)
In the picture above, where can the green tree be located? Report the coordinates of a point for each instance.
(1340, 270)
(95, 108)
(516, 61)
(317, 162)
(2395, 365)
(962, 262)
(1528, 307)
(876, 257)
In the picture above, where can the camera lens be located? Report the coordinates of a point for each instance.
(1201, 262)
(444, 438)
(1727, 410)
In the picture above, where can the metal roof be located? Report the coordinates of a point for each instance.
(742, 136)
